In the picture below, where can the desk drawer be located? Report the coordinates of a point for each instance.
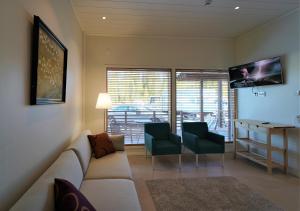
(258, 128)
(241, 124)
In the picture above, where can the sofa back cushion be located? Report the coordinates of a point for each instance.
(40, 196)
(82, 148)
(118, 142)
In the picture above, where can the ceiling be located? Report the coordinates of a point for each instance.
(177, 18)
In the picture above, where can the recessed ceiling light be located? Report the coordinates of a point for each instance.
(207, 2)
(103, 18)
(236, 8)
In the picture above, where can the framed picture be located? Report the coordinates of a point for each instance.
(49, 66)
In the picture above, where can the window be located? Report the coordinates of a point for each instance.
(144, 95)
(138, 96)
(204, 95)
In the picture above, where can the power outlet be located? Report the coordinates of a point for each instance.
(262, 94)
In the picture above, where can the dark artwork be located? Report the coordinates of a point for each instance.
(264, 72)
(49, 66)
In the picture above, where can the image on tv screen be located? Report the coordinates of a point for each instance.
(264, 72)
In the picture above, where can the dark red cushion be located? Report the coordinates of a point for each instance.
(68, 197)
(101, 144)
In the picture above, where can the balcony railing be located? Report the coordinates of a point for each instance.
(217, 122)
(131, 123)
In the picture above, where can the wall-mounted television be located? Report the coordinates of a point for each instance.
(259, 73)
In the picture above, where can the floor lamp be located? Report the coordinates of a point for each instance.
(104, 102)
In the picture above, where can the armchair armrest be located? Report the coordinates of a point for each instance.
(149, 142)
(219, 139)
(189, 139)
(175, 139)
(118, 142)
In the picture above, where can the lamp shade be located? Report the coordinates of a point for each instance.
(103, 101)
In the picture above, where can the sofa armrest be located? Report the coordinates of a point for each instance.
(219, 139)
(118, 142)
(189, 139)
(175, 139)
(149, 142)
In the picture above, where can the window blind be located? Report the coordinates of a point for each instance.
(204, 95)
(138, 96)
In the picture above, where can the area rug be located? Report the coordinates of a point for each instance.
(211, 193)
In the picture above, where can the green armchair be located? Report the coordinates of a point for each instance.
(160, 141)
(198, 139)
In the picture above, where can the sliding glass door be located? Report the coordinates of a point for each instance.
(204, 95)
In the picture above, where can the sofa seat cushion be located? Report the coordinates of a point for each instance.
(111, 194)
(40, 196)
(112, 166)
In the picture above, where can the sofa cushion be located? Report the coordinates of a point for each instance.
(40, 196)
(82, 148)
(118, 142)
(111, 194)
(68, 197)
(101, 145)
(111, 166)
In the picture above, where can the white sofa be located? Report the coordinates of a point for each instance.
(106, 182)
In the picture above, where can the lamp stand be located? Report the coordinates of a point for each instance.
(105, 120)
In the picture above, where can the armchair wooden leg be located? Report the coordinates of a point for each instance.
(152, 162)
(179, 161)
(197, 160)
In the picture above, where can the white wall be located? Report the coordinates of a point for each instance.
(102, 52)
(279, 37)
(31, 137)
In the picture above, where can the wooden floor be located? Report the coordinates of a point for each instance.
(281, 189)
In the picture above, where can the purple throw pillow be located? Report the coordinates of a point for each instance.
(68, 197)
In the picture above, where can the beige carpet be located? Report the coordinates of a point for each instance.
(211, 193)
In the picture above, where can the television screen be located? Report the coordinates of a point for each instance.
(260, 73)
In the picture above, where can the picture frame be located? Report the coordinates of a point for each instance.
(48, 67)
